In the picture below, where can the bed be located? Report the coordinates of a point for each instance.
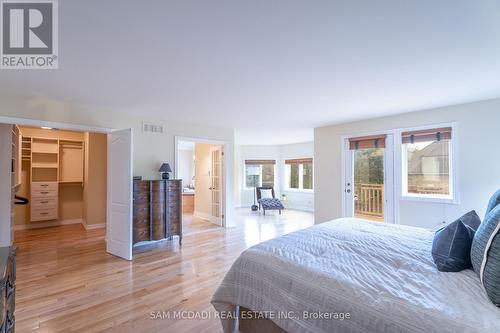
(351, 275)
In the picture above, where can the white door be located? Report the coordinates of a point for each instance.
(369, 178)
(216, 185)
(119, 212)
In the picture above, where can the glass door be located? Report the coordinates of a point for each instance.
(216, 185)
(368, 178)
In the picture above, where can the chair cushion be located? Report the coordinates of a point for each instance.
(485, 254)
(452, 244)
(494, 201)
(271, 203)
(266, 194)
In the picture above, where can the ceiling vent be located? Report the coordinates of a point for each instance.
(152, 128)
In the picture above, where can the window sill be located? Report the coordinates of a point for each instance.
(431, 199)
(297, 190)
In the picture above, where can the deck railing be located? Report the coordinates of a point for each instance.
(369, 200)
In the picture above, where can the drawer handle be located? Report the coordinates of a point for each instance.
(45, 185)
(44, 213)
(44, 202)
(44, 192)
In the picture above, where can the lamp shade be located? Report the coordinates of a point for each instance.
(165, 167)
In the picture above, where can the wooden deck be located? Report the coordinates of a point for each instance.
(369, 202)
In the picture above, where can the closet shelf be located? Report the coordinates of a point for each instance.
(44, 166)
(44, 152)
(70, 182)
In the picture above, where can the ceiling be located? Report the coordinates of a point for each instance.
(277, 67)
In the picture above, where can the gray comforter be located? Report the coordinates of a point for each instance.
(351, 275)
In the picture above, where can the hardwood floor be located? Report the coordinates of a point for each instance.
(67, 283)
(194, 225)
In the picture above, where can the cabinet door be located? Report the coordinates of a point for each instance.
(174, 208)
(158, 210)
(71, 164)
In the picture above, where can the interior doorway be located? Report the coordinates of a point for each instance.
(200, 166)
(60, 175)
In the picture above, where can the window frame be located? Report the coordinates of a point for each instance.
(245, 185)
(287, 174)
(401, 162)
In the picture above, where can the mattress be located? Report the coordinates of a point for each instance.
(351, 275)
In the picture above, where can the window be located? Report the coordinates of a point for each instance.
(259, 173)
(427, 164)
(299, 174)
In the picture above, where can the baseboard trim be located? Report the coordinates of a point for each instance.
(94, 226)
(200, 215)
(204, 216)
(296, 208)
(39, 225)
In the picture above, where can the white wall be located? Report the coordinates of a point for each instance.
(186, 166)
(478, 161)
(150, 149)
(296, 199)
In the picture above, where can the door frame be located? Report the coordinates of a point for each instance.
(58, 125)
(224, 168)
(391, 207)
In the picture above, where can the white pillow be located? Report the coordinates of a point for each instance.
(266, 194)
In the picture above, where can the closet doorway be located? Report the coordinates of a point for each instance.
(61, 177)
(200, 165)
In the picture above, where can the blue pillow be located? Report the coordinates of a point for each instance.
(485, 254)
(452, 244)
(494, 201)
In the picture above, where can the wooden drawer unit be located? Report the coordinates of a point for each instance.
(44, 193)
(41, 202)
(51, 186)
(157, 209)
(43, 214)
(187, 203)
(7, 289)
(44, 201)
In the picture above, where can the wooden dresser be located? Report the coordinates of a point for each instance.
(7, 289)
(157, 210)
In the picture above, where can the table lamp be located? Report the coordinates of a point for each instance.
(165, 171)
